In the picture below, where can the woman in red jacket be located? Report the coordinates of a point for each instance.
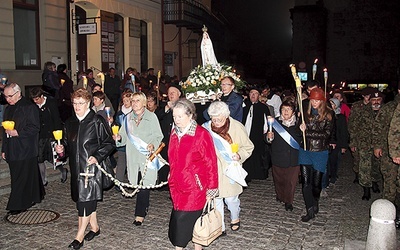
(194, 173)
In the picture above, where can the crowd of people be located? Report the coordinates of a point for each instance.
(263, 131)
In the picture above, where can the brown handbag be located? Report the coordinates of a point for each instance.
(208, 226)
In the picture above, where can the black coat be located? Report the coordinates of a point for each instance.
(49, 118)
(25, 114)
(166, 120)
(90, 137)
(282, 154)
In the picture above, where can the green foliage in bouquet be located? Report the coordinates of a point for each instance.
(209, 78)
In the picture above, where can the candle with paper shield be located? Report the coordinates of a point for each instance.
(3, 80)
(314, 69)
(84, 82)
(115, 129)
(108, 111)
(62, 82)
(235, 147)
(133, 82)
(8, 125)
(58, 136)
(325, 79)
(102, 78)
(270, 121)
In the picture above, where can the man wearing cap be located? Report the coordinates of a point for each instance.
(380, 133)
(164, 115)
(361, 141)
(255, 121)
(353, 124)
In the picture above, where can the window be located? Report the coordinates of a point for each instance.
(26, 34)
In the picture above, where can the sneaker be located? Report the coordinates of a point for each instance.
(324, 193)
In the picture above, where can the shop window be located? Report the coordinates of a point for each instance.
(26, 34)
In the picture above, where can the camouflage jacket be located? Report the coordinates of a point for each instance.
(380, 129)
(355, 109)
(394, 134)
(361, 127)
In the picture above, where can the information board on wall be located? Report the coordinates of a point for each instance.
(107, 40)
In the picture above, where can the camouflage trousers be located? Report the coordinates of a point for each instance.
(368, 168)
(391, 177)
(356, 161)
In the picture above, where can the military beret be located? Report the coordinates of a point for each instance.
(377, 94)
(368, 91)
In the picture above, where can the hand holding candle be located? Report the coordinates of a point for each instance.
(58, 135)
(8, 125)
(270, 121)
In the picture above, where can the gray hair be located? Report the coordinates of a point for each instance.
(219, 109)
(14, 87)
(187, 106)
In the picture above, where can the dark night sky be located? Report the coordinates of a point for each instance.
(262, 35)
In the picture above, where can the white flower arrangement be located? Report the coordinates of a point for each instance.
(205, 81)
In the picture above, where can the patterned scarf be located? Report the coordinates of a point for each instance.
(223, 131)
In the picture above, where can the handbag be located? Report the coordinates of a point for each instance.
(208, 226)
(235, 172)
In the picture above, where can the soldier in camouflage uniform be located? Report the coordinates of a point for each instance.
(394, 153)
(353, 125)
(380, 133)
(361, 141)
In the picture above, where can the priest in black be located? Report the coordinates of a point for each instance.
(254, 119)
(20, 150)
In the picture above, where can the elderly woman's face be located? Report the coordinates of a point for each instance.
(80, 106)
(137, 104)
(127, 102)
(286, 112)
(181, 119)
(218, 121)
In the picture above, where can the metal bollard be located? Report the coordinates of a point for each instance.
(382, 229)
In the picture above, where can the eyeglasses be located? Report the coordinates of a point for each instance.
(11, 96)
(79, 103)
(218, 120)
(226, 84)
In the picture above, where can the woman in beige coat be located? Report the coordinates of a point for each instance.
(233, 147)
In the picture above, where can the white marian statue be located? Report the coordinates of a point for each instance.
(207, 50)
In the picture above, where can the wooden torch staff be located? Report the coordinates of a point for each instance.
(158, 87)
(299, 100)
(155, 153)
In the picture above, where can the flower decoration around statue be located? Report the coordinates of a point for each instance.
(204, 81)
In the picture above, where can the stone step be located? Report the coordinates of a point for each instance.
(5, 181)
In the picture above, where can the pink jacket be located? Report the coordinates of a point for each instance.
(194, 169)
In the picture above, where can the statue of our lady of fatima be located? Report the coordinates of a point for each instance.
(207, 50)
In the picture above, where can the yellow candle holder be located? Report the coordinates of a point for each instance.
(8, 125)
(115, 129)
(57, 135)
(235, 147)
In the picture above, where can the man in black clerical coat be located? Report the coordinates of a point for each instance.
(20, 150)
(254, 119)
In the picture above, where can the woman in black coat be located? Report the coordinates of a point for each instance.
(285, 166)
(88, 140)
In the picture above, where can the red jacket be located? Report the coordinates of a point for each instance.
(194, 169)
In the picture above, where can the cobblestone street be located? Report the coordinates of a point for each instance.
(265, 224)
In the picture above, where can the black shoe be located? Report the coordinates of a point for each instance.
(137, 223)
(367, 193)
(356, 179)
(45, 184)
(15, 212)
(375, 187)
(76, 244)
(223, 233)
(310, 215)
(89, 236)
(288, 207)
(64, 173)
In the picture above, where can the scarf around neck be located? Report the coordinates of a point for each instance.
(223, 130)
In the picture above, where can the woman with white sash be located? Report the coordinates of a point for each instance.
(233, 147)
(141, 133)
(285, 138)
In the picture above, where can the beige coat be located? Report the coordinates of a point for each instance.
(239, 135)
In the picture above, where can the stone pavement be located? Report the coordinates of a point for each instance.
(342, 222)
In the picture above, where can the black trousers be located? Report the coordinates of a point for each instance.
(311, 185)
